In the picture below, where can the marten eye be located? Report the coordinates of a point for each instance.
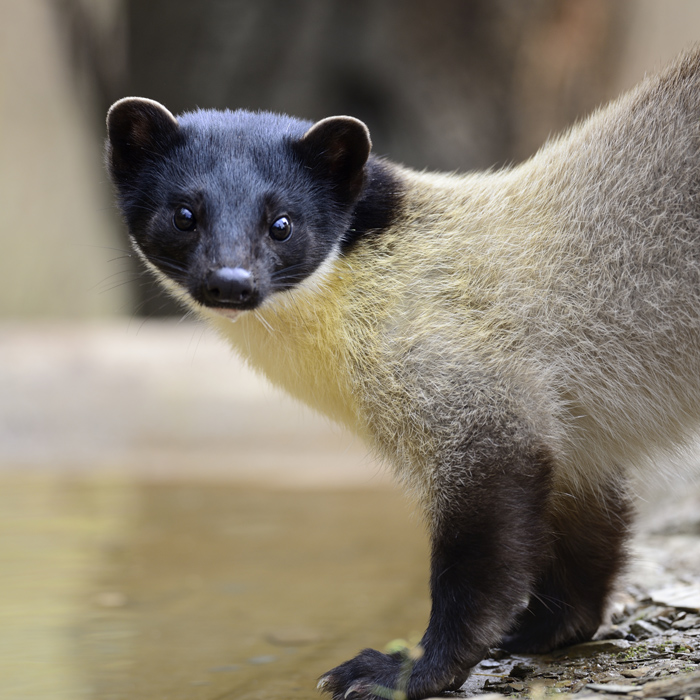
(281, 229)
(184, 219)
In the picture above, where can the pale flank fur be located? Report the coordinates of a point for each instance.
(564, 292)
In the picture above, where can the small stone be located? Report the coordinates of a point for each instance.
(673, 687)
(636, 672)
(520, 671)
(648, 612)
(687, 622)
(498, 654)
(614, 632)
(603, 646)
(662, 622)
(686, 597)
(643, 629)
(612, 688)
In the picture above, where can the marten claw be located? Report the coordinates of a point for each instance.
(354, 689)
(357, 678)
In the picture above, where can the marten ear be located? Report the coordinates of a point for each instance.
(337, 148)
(137, 130)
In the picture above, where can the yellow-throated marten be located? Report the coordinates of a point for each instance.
(512, 342)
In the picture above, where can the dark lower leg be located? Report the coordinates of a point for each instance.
(487, 541)
(587, 553)
(486, 555)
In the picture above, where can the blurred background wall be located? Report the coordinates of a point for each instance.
(443, 84)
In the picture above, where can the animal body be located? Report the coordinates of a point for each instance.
(511, 342)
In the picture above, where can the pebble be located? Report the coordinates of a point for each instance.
(613, 688)
(672, 687)
(684, 596)
(662, 622)
(643, 629)
(521, 671)
(687, 622)
(635, 672)
(602, 646)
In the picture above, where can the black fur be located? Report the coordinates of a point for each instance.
(585, 556)
(238, 172)
(379, 206)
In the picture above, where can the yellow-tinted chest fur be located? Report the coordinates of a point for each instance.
(492, 288)
(439, 281)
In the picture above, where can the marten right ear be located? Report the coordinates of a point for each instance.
(137, 130)
(337, 148)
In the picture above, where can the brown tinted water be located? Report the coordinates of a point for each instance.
(171, 528)
(115, 589)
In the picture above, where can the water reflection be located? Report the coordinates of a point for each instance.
(123, 589)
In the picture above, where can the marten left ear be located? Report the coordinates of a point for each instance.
(337, 148)
(138, 130)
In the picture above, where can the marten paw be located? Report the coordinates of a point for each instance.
(402, 675)
(371, 675)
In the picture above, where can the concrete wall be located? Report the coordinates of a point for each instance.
(658, 31)
(57, 225)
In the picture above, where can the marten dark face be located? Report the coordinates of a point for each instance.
(234, 206)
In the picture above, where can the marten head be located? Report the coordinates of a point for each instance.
(231, 207)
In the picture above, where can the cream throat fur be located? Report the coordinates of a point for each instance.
(328, 341)
(296, 340)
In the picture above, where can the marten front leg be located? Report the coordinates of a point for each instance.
(488, 538)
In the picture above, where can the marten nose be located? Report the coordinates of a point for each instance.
(229, 285)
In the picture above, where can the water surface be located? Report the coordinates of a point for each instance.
(112, 588)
